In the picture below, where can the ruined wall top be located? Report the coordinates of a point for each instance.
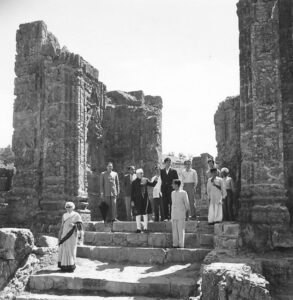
(33, 39)
(134, 98)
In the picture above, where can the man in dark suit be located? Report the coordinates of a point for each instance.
(167, 176)
(128, 178)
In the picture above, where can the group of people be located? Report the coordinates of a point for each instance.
(220, 189)
(168, 200)
(172, 199)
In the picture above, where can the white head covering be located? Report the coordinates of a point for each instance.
(139, 171)
(71, 204)
(226, 170)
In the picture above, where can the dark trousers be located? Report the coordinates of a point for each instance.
(228, 207)
(167, 204)
(158, 208)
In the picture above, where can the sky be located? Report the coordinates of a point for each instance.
(185, 51)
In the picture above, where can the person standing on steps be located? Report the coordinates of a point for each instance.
(70, 234)
(140, 199)
(157, 196)
(189, 180)
(216, 192)
(212, 165)
(110, 189)
(167, 176)
(228, 214)
(128, 179)
(180, 207)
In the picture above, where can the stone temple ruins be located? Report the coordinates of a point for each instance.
(67, 126)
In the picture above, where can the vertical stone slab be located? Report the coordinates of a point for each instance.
(286, 66)
(27, 120)
(58, 98)
(262, 143)
(227, 125)
(200, 164)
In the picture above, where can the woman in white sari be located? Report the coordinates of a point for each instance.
(216, 192)
(69, 234)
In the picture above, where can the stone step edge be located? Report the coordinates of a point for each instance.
(93, 285)
(157, 240)
(34, 296)
(130, 226)
(143, 255)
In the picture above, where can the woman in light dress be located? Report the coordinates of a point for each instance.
(70, 233)
(216, 192)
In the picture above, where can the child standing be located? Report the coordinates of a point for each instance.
(180, 206)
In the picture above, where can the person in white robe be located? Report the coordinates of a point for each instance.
(216, 192)
(69, 235)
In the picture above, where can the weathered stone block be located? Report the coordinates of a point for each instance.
(119, 239)
(159, 240)
(218, 228)
(15, 243)
(270, 214)
(206, 239)
(231, 229)
(46, 241)
(134, 239)
(236, 280)
(225, 242)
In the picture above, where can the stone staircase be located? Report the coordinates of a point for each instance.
(118, 263)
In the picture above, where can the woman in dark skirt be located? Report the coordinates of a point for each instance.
(140, 200)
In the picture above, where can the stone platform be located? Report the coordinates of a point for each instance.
(118, 263)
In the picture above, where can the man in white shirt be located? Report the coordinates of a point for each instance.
(157, 196)
(190, 180)
(180, 206)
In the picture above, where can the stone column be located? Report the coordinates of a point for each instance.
(53, 89)
(263, 211)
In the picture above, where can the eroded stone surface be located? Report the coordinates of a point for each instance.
(233, 281)
(173, 281)
(66, 128)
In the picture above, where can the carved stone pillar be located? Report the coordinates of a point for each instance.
(263, 194)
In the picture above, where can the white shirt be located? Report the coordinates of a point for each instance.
(216, 190)
(157, 187)
(167, 170)
(228, 183)
(180, 205)
(189, 176)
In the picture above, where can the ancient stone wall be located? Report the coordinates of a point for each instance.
(227, 125)
(132, 136)
(265, 119)
(63, 132)
(53, 90)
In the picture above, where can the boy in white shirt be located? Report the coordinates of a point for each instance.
(180, 206)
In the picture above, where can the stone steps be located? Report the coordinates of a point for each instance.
(152, 239)
(32, 296)
(176, 281)
(143, 255)
(191, 227)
